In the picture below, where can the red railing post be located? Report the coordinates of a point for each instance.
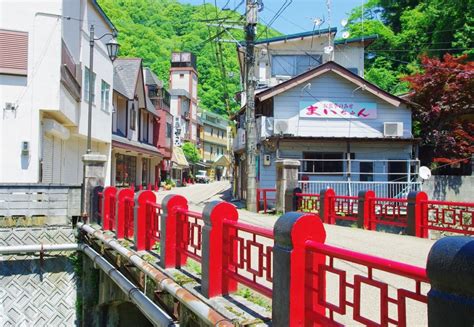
(326, 206)
(290, 298)
(416, 215)
(215, 260)
(121, 207)
(109, 192)
(366, 210)
(140, 221)
(171, 229)
(258, 200)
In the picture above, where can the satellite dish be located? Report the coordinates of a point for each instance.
(344, 22)
(345, 34)
(328, 49)
(425, 173)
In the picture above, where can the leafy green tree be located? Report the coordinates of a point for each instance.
(152, 29)
(191, 152)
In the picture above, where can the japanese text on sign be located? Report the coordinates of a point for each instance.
(330, 109)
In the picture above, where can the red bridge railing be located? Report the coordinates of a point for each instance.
(416, 214)
(453, 217)
(250, 250)
(264, 197)
(311, 283)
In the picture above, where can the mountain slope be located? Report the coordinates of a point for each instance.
(152, 29)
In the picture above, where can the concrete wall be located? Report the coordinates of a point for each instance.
(450, 188)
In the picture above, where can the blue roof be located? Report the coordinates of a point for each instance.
(357, 39)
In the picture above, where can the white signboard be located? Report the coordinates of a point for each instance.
(339, 109)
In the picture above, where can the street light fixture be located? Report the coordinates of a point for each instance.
(112, 50)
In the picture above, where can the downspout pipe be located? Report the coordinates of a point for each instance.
(189, 300)
(13, 249)
(155, 314)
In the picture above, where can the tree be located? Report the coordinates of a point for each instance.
(442, 98)
(191, 152)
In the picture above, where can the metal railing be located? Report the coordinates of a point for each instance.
(352, 188)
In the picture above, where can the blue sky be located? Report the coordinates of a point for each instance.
(297, 17)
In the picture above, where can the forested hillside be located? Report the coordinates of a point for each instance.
(408, 29)
(152, 29)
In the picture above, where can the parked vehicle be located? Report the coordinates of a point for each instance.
(201, 177)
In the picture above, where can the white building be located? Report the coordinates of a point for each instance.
(347, 133)
(44, 80)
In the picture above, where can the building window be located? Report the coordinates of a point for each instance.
(133, 117)
(212, 131)
(292, 65)
(181, 75)
(13, 52)
(328, 163)
(125, 170)
(169, 130)
(104, 96)
(212, 150)
(86, 86)
(366, 171)
(146, 166)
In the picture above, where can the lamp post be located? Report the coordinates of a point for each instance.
(93, 164)
(112, 50)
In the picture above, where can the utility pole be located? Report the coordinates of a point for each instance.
(250, 82)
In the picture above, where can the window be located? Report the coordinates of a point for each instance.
(104, 96)
(212, 131)
(181, 75)
(366, 171)
(86, 86)
(292, 65)
(125, 170)
(168, 130)
(323, 162)
(146, 166)
(212, 150)
(15, 48)
(133, 117)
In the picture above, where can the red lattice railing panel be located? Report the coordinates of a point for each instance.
(388, 211)
(190, 233)
(250, 252)
(308, 202)
(451, 217)
(345, 287)
(344, 207)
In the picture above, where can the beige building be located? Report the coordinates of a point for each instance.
(214, 144)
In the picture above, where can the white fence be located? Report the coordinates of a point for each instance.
(381, 189)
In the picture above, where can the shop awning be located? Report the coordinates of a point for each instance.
(221, 161)
(178, 159)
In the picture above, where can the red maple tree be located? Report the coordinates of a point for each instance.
(442, 101)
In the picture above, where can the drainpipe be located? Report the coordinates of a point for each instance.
(154, 313)
(38, 248)
(189, 300)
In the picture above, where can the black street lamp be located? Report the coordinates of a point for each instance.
(112, 50)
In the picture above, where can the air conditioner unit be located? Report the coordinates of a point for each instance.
(281, 127)
(393, 129)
